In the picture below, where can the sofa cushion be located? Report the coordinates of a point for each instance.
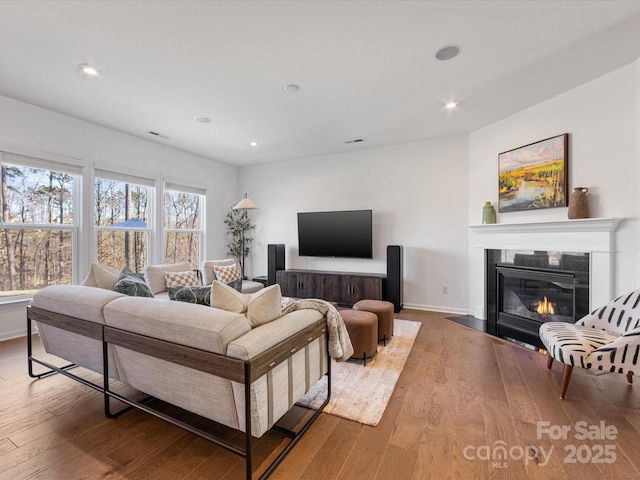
(154, 274)
(264, 337)
(248, 286)
(101, 276)
(77, 301)
(196, 326)
(131, 284)
(181, 279)
(200, 294)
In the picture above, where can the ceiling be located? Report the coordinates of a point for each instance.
(366, 69)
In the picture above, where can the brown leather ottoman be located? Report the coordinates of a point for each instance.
(384, 312)
(363, 331)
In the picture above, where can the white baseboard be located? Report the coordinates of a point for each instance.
(13, 334)
(437, 308)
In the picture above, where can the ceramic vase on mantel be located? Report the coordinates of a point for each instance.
(578, 203)
(488, 213)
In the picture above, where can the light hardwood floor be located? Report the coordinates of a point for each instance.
(460, 390)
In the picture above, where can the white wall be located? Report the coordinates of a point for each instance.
(417, 192)
(423, 194)
(601, 118)
(37, 129)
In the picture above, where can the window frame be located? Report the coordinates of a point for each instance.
(124, 175)
(56, 163)
(196, 190)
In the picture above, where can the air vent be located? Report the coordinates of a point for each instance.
(156, 134)
(355, 141)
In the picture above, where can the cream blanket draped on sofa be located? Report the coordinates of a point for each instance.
(340, 348)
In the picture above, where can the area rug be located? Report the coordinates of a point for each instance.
(362, 393)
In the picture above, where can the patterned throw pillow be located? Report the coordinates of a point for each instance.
(181, 279)
(200, 294)
(236, 284)
(131, 284)
(226, 273)
(154, 274)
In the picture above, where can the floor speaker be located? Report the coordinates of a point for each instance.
(393, 283)
(275, 261)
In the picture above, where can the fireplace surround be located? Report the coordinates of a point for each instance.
(593, 236)
(527, 289)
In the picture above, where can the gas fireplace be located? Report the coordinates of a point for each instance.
(530, 288)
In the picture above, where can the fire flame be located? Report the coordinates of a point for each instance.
(545, 307)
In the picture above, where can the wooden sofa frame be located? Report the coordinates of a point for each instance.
(245, 372)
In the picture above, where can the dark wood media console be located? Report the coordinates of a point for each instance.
(343, 288)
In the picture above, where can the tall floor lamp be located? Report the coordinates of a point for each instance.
(244, 204)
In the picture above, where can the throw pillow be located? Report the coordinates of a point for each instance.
(101, 276)
(200, 294)
(226, 273)
(260, 307)
(154, 274)
(181, 279)
(265, 305)
(235, 284)
(131, 284)
(228, 298)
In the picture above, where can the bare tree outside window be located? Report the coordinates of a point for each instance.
(36, 230)
(120, 216)
(182, 227)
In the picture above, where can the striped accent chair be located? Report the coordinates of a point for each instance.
(608, 339)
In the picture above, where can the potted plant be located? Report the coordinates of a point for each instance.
(239, 237)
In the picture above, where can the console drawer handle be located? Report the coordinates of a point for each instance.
(272, 364)
(293, 349)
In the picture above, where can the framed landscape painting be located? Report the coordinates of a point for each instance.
(534, 176)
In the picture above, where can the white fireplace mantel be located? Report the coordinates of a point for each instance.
(595, 236)
(580, 235)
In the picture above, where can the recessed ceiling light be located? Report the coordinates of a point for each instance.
(254, 144)
(451, 105)
(448, 52)
(292, 88)
(89, 69)
(202, 119)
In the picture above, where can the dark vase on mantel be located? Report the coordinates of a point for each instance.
(578, 203)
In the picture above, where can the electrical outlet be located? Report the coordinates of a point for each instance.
(445, 289)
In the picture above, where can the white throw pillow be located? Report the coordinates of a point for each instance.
(260, 307)
(101, 276)
(154, 274)
(265, 305)
(227, 298)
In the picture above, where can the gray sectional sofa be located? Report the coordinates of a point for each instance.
(218, 364)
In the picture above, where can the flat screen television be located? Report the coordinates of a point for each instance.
(335, 234)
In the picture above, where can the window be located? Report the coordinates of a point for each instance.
(38, 229)
(183, 224)
(122, 211)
